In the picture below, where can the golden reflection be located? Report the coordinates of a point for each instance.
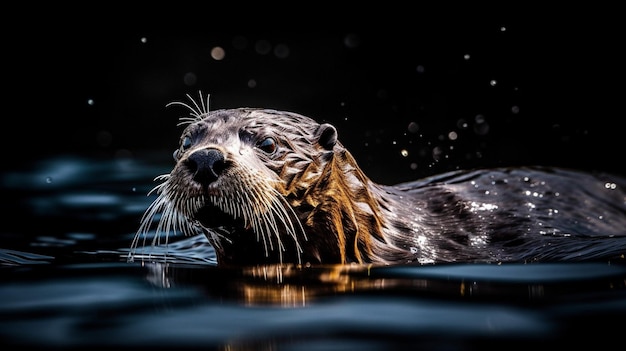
(296, 286)
(285, 285)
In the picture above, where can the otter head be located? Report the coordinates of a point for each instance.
(240, 178)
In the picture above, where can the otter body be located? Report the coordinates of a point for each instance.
(268, 186)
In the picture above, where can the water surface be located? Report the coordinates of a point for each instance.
(66, 283)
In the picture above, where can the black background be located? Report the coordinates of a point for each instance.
(557, 100)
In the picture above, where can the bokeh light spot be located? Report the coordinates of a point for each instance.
(218, 53)
(281, 51)
(190, 79)
(263, 47)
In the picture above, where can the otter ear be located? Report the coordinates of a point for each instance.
(326, 136)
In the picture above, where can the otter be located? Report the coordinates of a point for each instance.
(267, 186)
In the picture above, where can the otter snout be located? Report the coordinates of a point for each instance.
(206, 165)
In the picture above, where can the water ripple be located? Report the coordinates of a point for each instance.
(14, 257)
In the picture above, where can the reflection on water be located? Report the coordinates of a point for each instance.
(293, 285)
(66, 284)
(191, 306)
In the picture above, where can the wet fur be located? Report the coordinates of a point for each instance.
(309, 202)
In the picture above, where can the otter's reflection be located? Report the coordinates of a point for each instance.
(289, 285)
(286, 285)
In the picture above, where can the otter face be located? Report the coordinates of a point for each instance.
(237, 179)
(243, 152)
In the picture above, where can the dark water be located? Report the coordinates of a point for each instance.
(66, 283)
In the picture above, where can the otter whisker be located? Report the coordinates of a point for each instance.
(280, 209)
(146, 220)
(264, 228)
(271, 226)
(274, 211)
(264, 221)
(283, 216)
(167, 204)
(186, 120)
(193, 112)
(243, 205)
(244, 202)
(258, 228)
(163, 227)
(287, 213)
(216, 237)
(247, 204)
(271, 209)
(200, 110)
(204, 106)
(197, 111)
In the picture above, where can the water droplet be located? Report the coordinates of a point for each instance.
(503, 29)
(515, 109)
(143, 40)
(452, 135)
(251, 83)
(413, 250)
(610, 185)
(493, 82)
(413, 127)
(413, 166)
(134, 189)
(404, 153)
(466, 57)
(49, 180)
(90, 102)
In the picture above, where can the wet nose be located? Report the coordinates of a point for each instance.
(206, 165)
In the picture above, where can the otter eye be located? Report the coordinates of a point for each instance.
(185, 143)
(268, 145)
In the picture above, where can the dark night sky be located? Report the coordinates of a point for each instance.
(557, 97)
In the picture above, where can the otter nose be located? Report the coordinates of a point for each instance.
(206, 165)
